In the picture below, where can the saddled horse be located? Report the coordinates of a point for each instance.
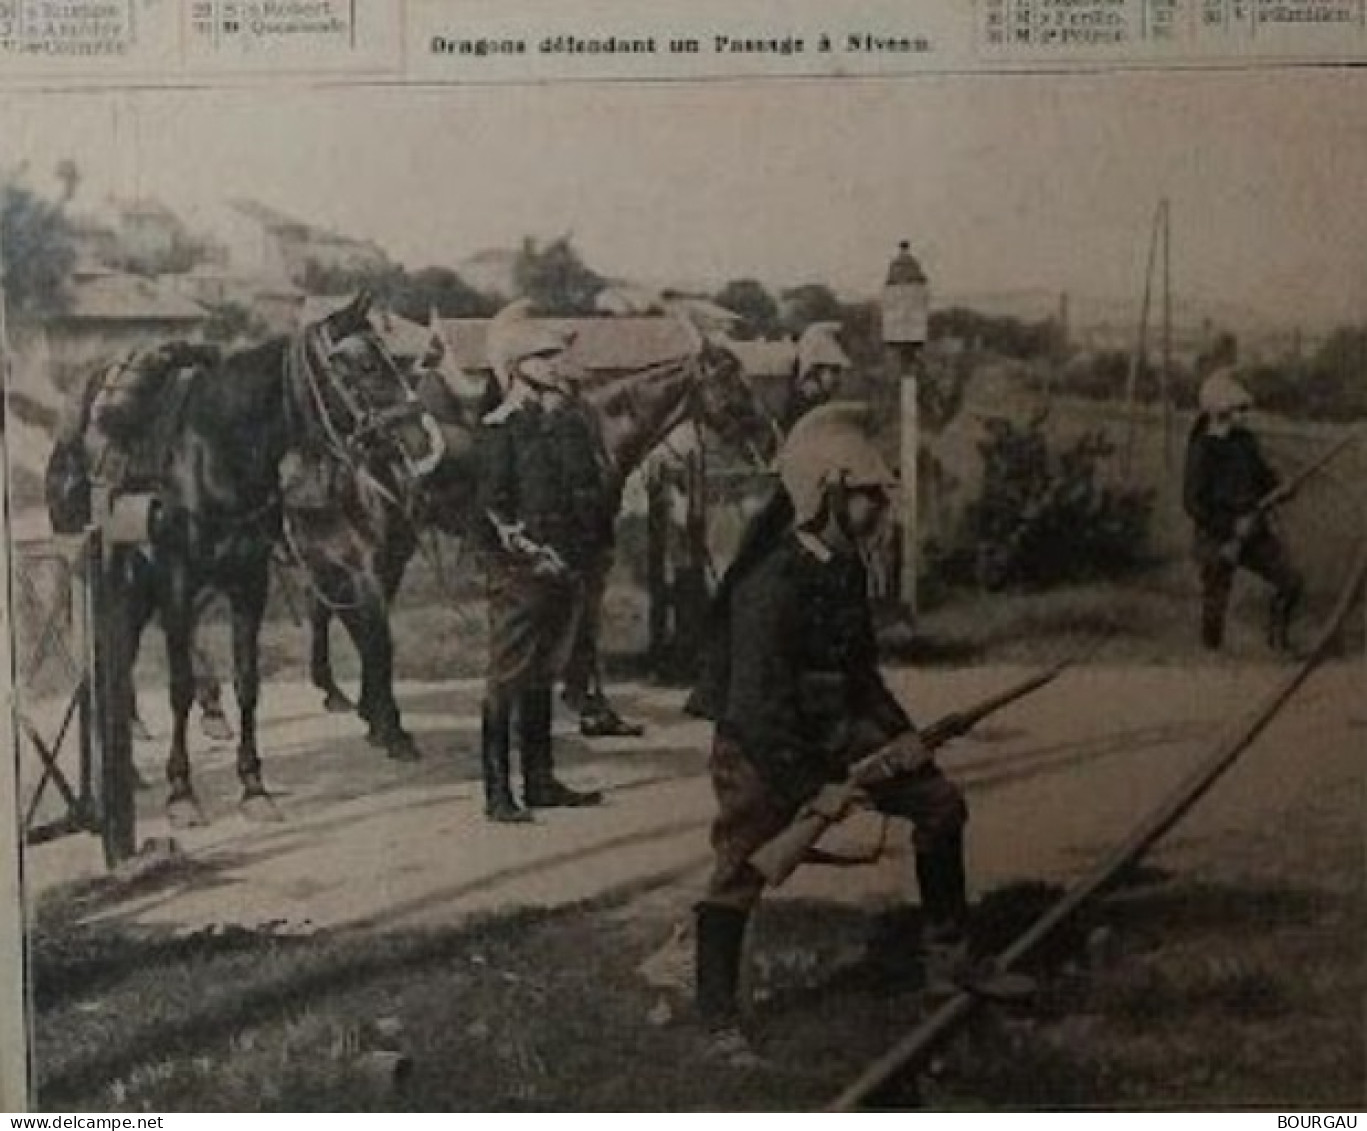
(315, 438)
(634, 412)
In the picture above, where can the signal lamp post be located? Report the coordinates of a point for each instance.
(906, 316)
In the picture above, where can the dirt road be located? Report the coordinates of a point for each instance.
(366, 842)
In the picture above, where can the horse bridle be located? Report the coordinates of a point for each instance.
(693, 411)
(349, 439)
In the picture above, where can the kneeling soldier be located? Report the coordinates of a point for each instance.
(794, 688)
(541, 492)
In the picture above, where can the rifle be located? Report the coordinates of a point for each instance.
(1234, 547)
(780, 857)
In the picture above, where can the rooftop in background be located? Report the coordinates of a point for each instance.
(766, 360)
(600, 343)
(109, 296)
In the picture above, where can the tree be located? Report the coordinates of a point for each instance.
(417, 294)
(330, 279)
(39, 252)
(1004, 335)
(556, 278)
(754, 304)
(809, 303)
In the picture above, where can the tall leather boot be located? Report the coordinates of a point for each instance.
(944, 909)
(946, 961)
(541, 789)
(720, 940)
(495, 751)
(720, 937)
(1283, 605)
(1212, 630)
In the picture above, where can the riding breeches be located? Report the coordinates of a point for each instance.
(750, 814)
(532, 625)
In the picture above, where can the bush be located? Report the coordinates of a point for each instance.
(1044, 517)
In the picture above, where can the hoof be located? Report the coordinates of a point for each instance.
(183, 812)
(609, 724)
(215, 725)
(506, 811)
(258, 806)
(336, 703)
(401, 747)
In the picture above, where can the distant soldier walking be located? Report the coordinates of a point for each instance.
(542, 494)
(794, 689)
(1229, 491)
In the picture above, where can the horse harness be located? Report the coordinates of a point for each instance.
(347, 428)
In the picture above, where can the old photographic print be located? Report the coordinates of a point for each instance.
(648, 596)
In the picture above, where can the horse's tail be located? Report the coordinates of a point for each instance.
(66, 479)
(66, 484)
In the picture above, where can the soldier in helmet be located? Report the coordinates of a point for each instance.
(543, 497)
(820, 365)
(793, 687)
(1228, 486)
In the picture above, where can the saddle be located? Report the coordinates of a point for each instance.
(132, 455)
(119, 437)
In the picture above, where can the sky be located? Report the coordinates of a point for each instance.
(1001, 183)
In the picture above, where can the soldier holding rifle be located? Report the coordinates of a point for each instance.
(1229, 491)
(793, 685)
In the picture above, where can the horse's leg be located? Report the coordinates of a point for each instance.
(320, 662)
(247, 600)
(177, 622)
(367, 621)
(213, 721)
(142, 606)
(584, 690)
(208, 687)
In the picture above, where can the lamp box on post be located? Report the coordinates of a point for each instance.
(906, 318)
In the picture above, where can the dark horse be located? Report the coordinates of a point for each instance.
(634, 413)
(315, 439)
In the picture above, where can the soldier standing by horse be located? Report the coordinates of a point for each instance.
(548, 513)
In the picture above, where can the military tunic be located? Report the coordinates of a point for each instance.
(1224, 480)
(538, 467)
(793, 686)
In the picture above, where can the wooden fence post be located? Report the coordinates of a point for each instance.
(111, 679)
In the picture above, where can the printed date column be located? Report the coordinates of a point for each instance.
(1162, 22)
(995, 17)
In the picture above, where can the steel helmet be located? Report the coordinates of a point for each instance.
(1222, 393)
(818, 346)
(514, 337)
(831, 444)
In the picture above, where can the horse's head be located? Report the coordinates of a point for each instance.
(725, 402)
(367, 393)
